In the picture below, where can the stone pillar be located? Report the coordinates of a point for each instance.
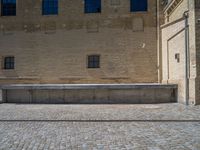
(1, 96)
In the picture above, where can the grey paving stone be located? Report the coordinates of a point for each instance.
(131, 135)
(99, 112)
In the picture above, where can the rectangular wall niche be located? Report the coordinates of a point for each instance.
(92, 26)
(31, 27)
(138, 24)
(8, 29)
(114, 2)
(50, 27)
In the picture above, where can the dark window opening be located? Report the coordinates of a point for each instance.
(9, 63)
(92, 6)
(177, 57)
(139, 5)
(8, 7)
(94, 61)
(49, 7)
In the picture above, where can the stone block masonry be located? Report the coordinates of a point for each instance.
(180, 37)
(54, 48)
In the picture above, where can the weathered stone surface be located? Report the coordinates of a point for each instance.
(90, 93)
(180, 35)
(1, 96)
(54, 48)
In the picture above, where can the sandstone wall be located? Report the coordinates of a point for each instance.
(54, 49)
(178, 12)
(175, 38)
(173, 43)
(197, 40)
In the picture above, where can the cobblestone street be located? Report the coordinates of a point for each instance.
(173, 127)
(99, 112)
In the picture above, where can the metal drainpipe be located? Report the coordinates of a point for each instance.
(186, 15)
(158, 39)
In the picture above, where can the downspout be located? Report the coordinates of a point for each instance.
(186, 15)
(158, 40)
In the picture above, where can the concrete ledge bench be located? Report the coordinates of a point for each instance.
(89, 93)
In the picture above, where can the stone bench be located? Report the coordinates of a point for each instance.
(89, 93)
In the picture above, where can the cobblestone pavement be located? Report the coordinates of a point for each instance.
(121, 131)
(99, 135)
(99, 112)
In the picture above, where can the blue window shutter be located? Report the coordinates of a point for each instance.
(139, 5)
(8, 7)
(50, 7)
(92, 6)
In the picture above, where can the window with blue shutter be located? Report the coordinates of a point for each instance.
(8, 7)
(92, 6)
(94, 61)
(139, 5)
(49, 7)
(9, 63)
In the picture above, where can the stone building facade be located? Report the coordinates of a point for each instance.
(55, 48)
(106, 41)
(180, 48)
